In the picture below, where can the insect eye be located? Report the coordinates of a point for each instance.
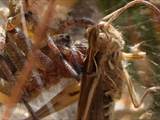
(101, 36)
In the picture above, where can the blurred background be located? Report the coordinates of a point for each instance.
(138, 25)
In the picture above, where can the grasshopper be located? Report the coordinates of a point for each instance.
(104, 75)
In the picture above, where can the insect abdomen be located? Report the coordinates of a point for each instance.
(102, 105)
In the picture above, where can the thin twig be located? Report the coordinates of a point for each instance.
(42, 28)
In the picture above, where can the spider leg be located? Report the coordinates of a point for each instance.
(80, 22)
(9, 79)
(14, 53)
(66, 97)
(30, 110)
(58, 54)
(22, 77)
(16, 91)
(6, 71)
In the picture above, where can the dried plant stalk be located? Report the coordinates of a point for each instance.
(40, 34)
(26, 71)
(16, 92)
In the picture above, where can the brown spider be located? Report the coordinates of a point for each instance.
(27, 67)
(17, 64)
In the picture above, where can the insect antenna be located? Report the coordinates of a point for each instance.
(114, 15)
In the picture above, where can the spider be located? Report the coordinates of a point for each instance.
(94, 68)
(56, 54)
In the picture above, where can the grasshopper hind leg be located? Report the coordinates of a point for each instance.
(137, 103)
